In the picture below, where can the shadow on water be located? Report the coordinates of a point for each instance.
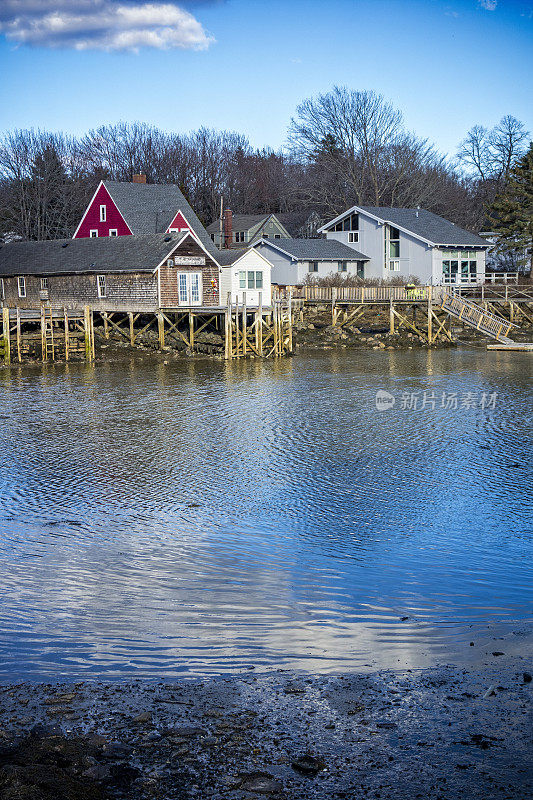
(199, 516)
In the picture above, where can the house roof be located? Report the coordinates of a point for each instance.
(315, 249)
(151, 207)
(421, 223)
(101, 255)
(244, 222)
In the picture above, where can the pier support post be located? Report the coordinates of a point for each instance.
(106, 324)
(244, 321)
(191, 330)
(19, 337)
(132, 334)
(67, 343)
(290, 320)
(391, 317)
(87, 332)
(430, 316)
(5, 331)
(259, 329)
(161, 331)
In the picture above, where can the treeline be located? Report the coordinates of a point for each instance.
(344, 147)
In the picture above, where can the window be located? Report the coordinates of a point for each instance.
(22, 287)
(242, 280)
(44, 284)
(350, 223)
(342, 266)
(459, 266)
(277, 236)
(113, 232)
(239, 236)
(313, 266)
(212, 237)
(93, 234)
(255, 280)
(394, 266)
(360, 269)
(265, 236)
(182, 287)
(394, 243)
(103, 213)
(353, 237)
(102, 288)
(170, 262)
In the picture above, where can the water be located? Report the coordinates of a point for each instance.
(198, 517)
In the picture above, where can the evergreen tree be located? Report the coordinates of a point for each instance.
(512, 212)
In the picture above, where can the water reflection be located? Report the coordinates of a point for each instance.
(200, 516)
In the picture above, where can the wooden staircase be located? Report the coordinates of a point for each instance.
(471, 314)
(47, 334)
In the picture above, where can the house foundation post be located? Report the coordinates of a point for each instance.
(161, 331)
(5, 331)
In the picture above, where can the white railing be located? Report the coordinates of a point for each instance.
(501, 277)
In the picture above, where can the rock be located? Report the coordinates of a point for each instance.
(498, 653)
(260, 782)
(187, 732)
(60, 699)
(140, 719)
(387, 725)
(117, 750)
(403, 619)
(489, 693)
(308, 765)
(293, 687)
(100, 772)
(527, 677)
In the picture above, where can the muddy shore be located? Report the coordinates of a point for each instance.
(442, 733)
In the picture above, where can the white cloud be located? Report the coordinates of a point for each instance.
(488, 5)
(101, 25)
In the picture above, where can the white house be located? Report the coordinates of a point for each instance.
(410, 241)
(293, 260)
(245, 274)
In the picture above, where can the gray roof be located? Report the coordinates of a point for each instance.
(226, 258)
(104, 254)
(244, 222)
(427, 225)
(316, 249)
(151, 207)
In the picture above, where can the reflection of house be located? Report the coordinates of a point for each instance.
(294, 260)
(410, 241)
(122, 209)
(240, 230)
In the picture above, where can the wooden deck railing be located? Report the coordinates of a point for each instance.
(354, 294)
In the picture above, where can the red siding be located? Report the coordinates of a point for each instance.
(91, 220)
(179, 223)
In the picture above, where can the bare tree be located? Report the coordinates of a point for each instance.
(490, 154)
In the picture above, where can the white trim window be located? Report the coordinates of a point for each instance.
(313, 266)
(170, 262)
(93, 233)
(353, 238)
(342, 266)
(239, 237)
(103, 213)
(44, 284)
(113, 232)
(21, 281)
(394, 266)
(102, 285)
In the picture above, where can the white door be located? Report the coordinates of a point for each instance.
(190, 288)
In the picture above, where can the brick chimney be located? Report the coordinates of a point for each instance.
(228, 228)
(139, 178)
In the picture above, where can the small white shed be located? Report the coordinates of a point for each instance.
(245, 275)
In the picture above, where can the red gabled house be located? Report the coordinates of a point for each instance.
(125, 209)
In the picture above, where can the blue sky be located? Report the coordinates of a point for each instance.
(245, 65)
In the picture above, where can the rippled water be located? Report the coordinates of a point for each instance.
(201, 517)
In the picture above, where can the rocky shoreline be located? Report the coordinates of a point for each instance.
(444, 733)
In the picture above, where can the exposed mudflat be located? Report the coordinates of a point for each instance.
(440, 733)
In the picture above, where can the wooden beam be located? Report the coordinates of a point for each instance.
(19, 337)
(7, 341)
(161, 331)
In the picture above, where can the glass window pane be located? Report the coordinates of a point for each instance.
(395, 249)
(242, 280)
(251, 280)
(183, 287)
(258, 280)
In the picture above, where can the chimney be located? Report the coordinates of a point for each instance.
(139, 178)
(228, 228)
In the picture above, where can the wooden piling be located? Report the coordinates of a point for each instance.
(87, 333)
(244, 322)
(19, 337)
(106, 324)
(6, 335)
(290, 320)
(43, 335)
(67, 343)
(391, 317)
(430, 316)
(132, 334)
(161, 331)
(191, 330)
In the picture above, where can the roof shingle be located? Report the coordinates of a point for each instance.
(427, 225)
(101, 255)
(316, 249)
